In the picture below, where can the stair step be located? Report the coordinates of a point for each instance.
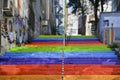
(98, 54)
(92, 77)
(51, 42)
(75, 69)
(61, 39)
(59, 61)
(101, 61)
(32, 55)
(68, 43)
(59, 77)
(12, 61)
(51, 69)
(95, 54)
(31, 77)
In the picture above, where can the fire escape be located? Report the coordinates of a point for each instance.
(59, 17)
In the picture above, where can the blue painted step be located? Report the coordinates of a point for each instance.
(61, 39)
(32, 55)
(46, 53)
(97, 54)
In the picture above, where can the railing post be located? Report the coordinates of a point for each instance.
(111, 35)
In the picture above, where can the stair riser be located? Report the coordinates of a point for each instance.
(54, 69)
(31, 77)
(12, 61)
(84, 69)
(96, 54)
(58, 61)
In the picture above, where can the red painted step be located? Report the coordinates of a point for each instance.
(68, 43)
(45, 69)
(77, 69)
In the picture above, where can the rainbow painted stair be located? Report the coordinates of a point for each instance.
(85, 58)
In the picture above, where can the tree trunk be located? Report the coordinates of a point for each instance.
(102, 6)
(83, 19)
(83, 24)
(96, 19)
(96, 15)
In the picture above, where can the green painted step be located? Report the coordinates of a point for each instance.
(58, 48)
(61, 36)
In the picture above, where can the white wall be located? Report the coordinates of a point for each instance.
(88, 27)
(72, 28)
(112, 17)
(24, 8)
(108, 6)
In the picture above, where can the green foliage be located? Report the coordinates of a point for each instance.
(78, 6)
(114, 45)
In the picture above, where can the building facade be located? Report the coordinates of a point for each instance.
(22, 20)
(115, 5)
(60, 16)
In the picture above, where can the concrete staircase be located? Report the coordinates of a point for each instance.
(78, 65)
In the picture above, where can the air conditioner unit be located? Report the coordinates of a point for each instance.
(7, 8)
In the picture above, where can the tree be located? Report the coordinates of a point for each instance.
(79, 7)
(102, 3)
(95, 4)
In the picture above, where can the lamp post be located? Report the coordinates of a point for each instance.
(65, 23)
(64, 39)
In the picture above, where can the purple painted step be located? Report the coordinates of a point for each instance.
(30, 61)
(92, 61)
(61, 39)
(59, 61)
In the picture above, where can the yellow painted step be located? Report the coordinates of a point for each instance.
(92, 77)
(31, 77)
(59, 77)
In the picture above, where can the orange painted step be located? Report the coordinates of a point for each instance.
(45, 69)
(77, 69)
(92, 77)
(31, 77)
(88, 44)
(59, 77)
